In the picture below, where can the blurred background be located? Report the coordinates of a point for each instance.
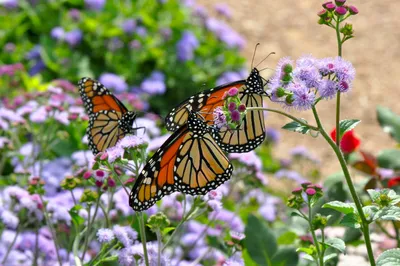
(164, 51)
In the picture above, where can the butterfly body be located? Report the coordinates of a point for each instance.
(190, 161)
(244, 139)
(109, 119)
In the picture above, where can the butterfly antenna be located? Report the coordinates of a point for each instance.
(265, 69)
(254, 54)
(265, 58)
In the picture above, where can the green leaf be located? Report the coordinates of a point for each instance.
(287, 238)
(351, 220)
(296, 127)
(167, 230)
(346, 125)
(336, 243)
(308, 251)
(308, 257)
(370, 212)
(389, 159)
(285, 256)
(389, 258)
(339, 206)
(391, 213)
(294, 214)
(260, 241)
(247, 259)
(389, 121)
(329, 257)
(374, 194)
(77, 220)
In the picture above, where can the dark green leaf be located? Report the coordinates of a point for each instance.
(390, 213)
(296, 127)
(389, 258)
(389, 159)
(346, 125)
(260, 241)
(329, 257)
(336, 243)
(351, 220)
(389, 121)
(285, 256)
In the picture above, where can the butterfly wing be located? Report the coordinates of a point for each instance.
(103, 130)
(97, 98)
(252, 131)
(189, 161)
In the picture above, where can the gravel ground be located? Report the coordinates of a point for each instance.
(289, 28)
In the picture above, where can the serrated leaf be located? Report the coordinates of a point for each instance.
(389, 258)
(351, 220)
(329, 257)
(389, 121)
(391, 213)
(346, 125)
(296, 127)
(389, 159)
(336, 243)
(260, 241)
(339, 206)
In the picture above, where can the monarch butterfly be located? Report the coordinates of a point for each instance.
(252, 131)
(190, 161)
(109, 120)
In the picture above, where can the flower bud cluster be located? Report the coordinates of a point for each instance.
(232, 112)
(309, 191)
(337, 11)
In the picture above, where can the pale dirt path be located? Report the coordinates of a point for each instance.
(289, 28)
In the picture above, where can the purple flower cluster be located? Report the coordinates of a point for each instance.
(297, 87)
(154, 84)
(186, 46)
(113, 81)
(73, 37)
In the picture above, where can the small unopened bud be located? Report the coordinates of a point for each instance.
(104, 156)
(87, 174)
(330, 7)
(280, 92)
(297, 191)
(310, 191)
(340, 2)
(326, 3)
(322, 13)
(242, 108)
(289, 99)
(111, 182)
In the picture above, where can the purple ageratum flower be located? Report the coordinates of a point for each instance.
(34, 53)
(129, 26)
(153, 86)
(235, 260)
(105, 235)
(344, 70)
(307, 74)
(200, 11)
(230, 218)
(214, 195)
(293, 175)
(141, 31)
(223, 9)
(272, 135)
(215, 205)
(225, 33)
(95, 4)
(219, 117)
(282, 63)
(268, 208)
(131, 141)
(39, 115)
(326, 66)
(237, 235)
(73, 37)
(228, 77)
(37, 67)
(327, 88)
(113, 81)
(303, 98)
(343, 86)
(114, 44)
(57, 33)
(186, 46)
(9, 219)
(75, 14)
(10, 4)
(114, 153)
(124, 235)
(156, 143)
(3, 142)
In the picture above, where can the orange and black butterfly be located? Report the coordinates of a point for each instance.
(190, 161)
(109, 120)
(252, 131)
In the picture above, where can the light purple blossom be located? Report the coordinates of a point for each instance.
(303, 98)
(223, 9)
(129, 25)
(122, 235)
(58, 33)
(113, 81)
(344, 70)
(131, 141)
(228, 77)
(225, 33)
(235, 260)
(156, 143)
(73, 37)
(219, 117)
(150, 124)
(272, 135)
(3, 142)
(268, 209)
(95, 4)
(114, 153)
(105, 235)
(230, 218)
(293, 175)
(9, 219)
(37, 67)
(215, 205)
(153, 86)
(308, 74)
(186, 46)
(327, 88)
(141, 31)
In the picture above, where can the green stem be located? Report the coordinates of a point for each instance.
(396, 230)
(159, 242)
(53, 232)
(323, 245)
(350, 184)
(314, 236)
(85, 245)
(339, 41)
(11, 245)
(143, 237)
(284, 114)
(184, 217)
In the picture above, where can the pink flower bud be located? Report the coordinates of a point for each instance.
(310, 191)
(324, 4)
(353, 10)
(111, 182)
(99, 183)
(297, 191)
(235, 115)
(104, 156)
(341, 11)
(233, 91)
(87, 174)
(330, 7)
(232, 106)
(242, 108)
(322, 13)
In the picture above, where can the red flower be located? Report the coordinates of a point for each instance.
(349, 141)
(395, 181)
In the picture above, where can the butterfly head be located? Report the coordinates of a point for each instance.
(126, 122)
(196, 124)
(255, 83)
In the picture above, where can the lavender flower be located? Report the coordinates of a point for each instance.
(223, 9)
(225, 33)
(219, 117)
(131, 141)
(58, 33)
(37, 67)
(307, 74)
(113, 81)
(114, 153)
(228, 77)
(9, 219)
(303, 98)
(272, 135)
(344, 70)
(293, 175)
(154, 84)
(186, 46)
(141, 31)
(327, 88)
(73, 37)
(129, 25)
(105, 235)
(121, 233)
(95, 4)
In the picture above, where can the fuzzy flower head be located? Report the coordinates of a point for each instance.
(105, 235)
(303, 99)
(219, 117)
